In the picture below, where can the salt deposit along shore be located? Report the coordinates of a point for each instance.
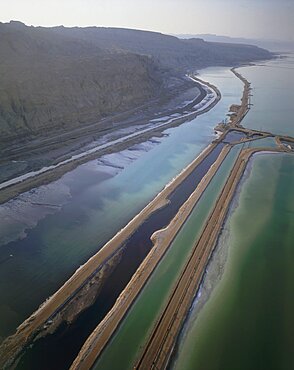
(20, 184)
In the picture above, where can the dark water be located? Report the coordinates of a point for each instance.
(60, 349)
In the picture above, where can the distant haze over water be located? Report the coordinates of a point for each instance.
(272, 45)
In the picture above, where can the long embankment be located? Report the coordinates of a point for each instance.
(27, 331)
(245, 100)
(162, 240)
(11, 188)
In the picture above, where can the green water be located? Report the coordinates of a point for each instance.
(248, 321)
(125, 346)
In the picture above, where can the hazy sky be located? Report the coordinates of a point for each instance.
(247, 18)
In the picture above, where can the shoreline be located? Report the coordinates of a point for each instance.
(13, 187)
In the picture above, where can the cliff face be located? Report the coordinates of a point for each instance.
(62, 78)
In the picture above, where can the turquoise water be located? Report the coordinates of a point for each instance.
(93, 207)
(125, 346)
(248, 321)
